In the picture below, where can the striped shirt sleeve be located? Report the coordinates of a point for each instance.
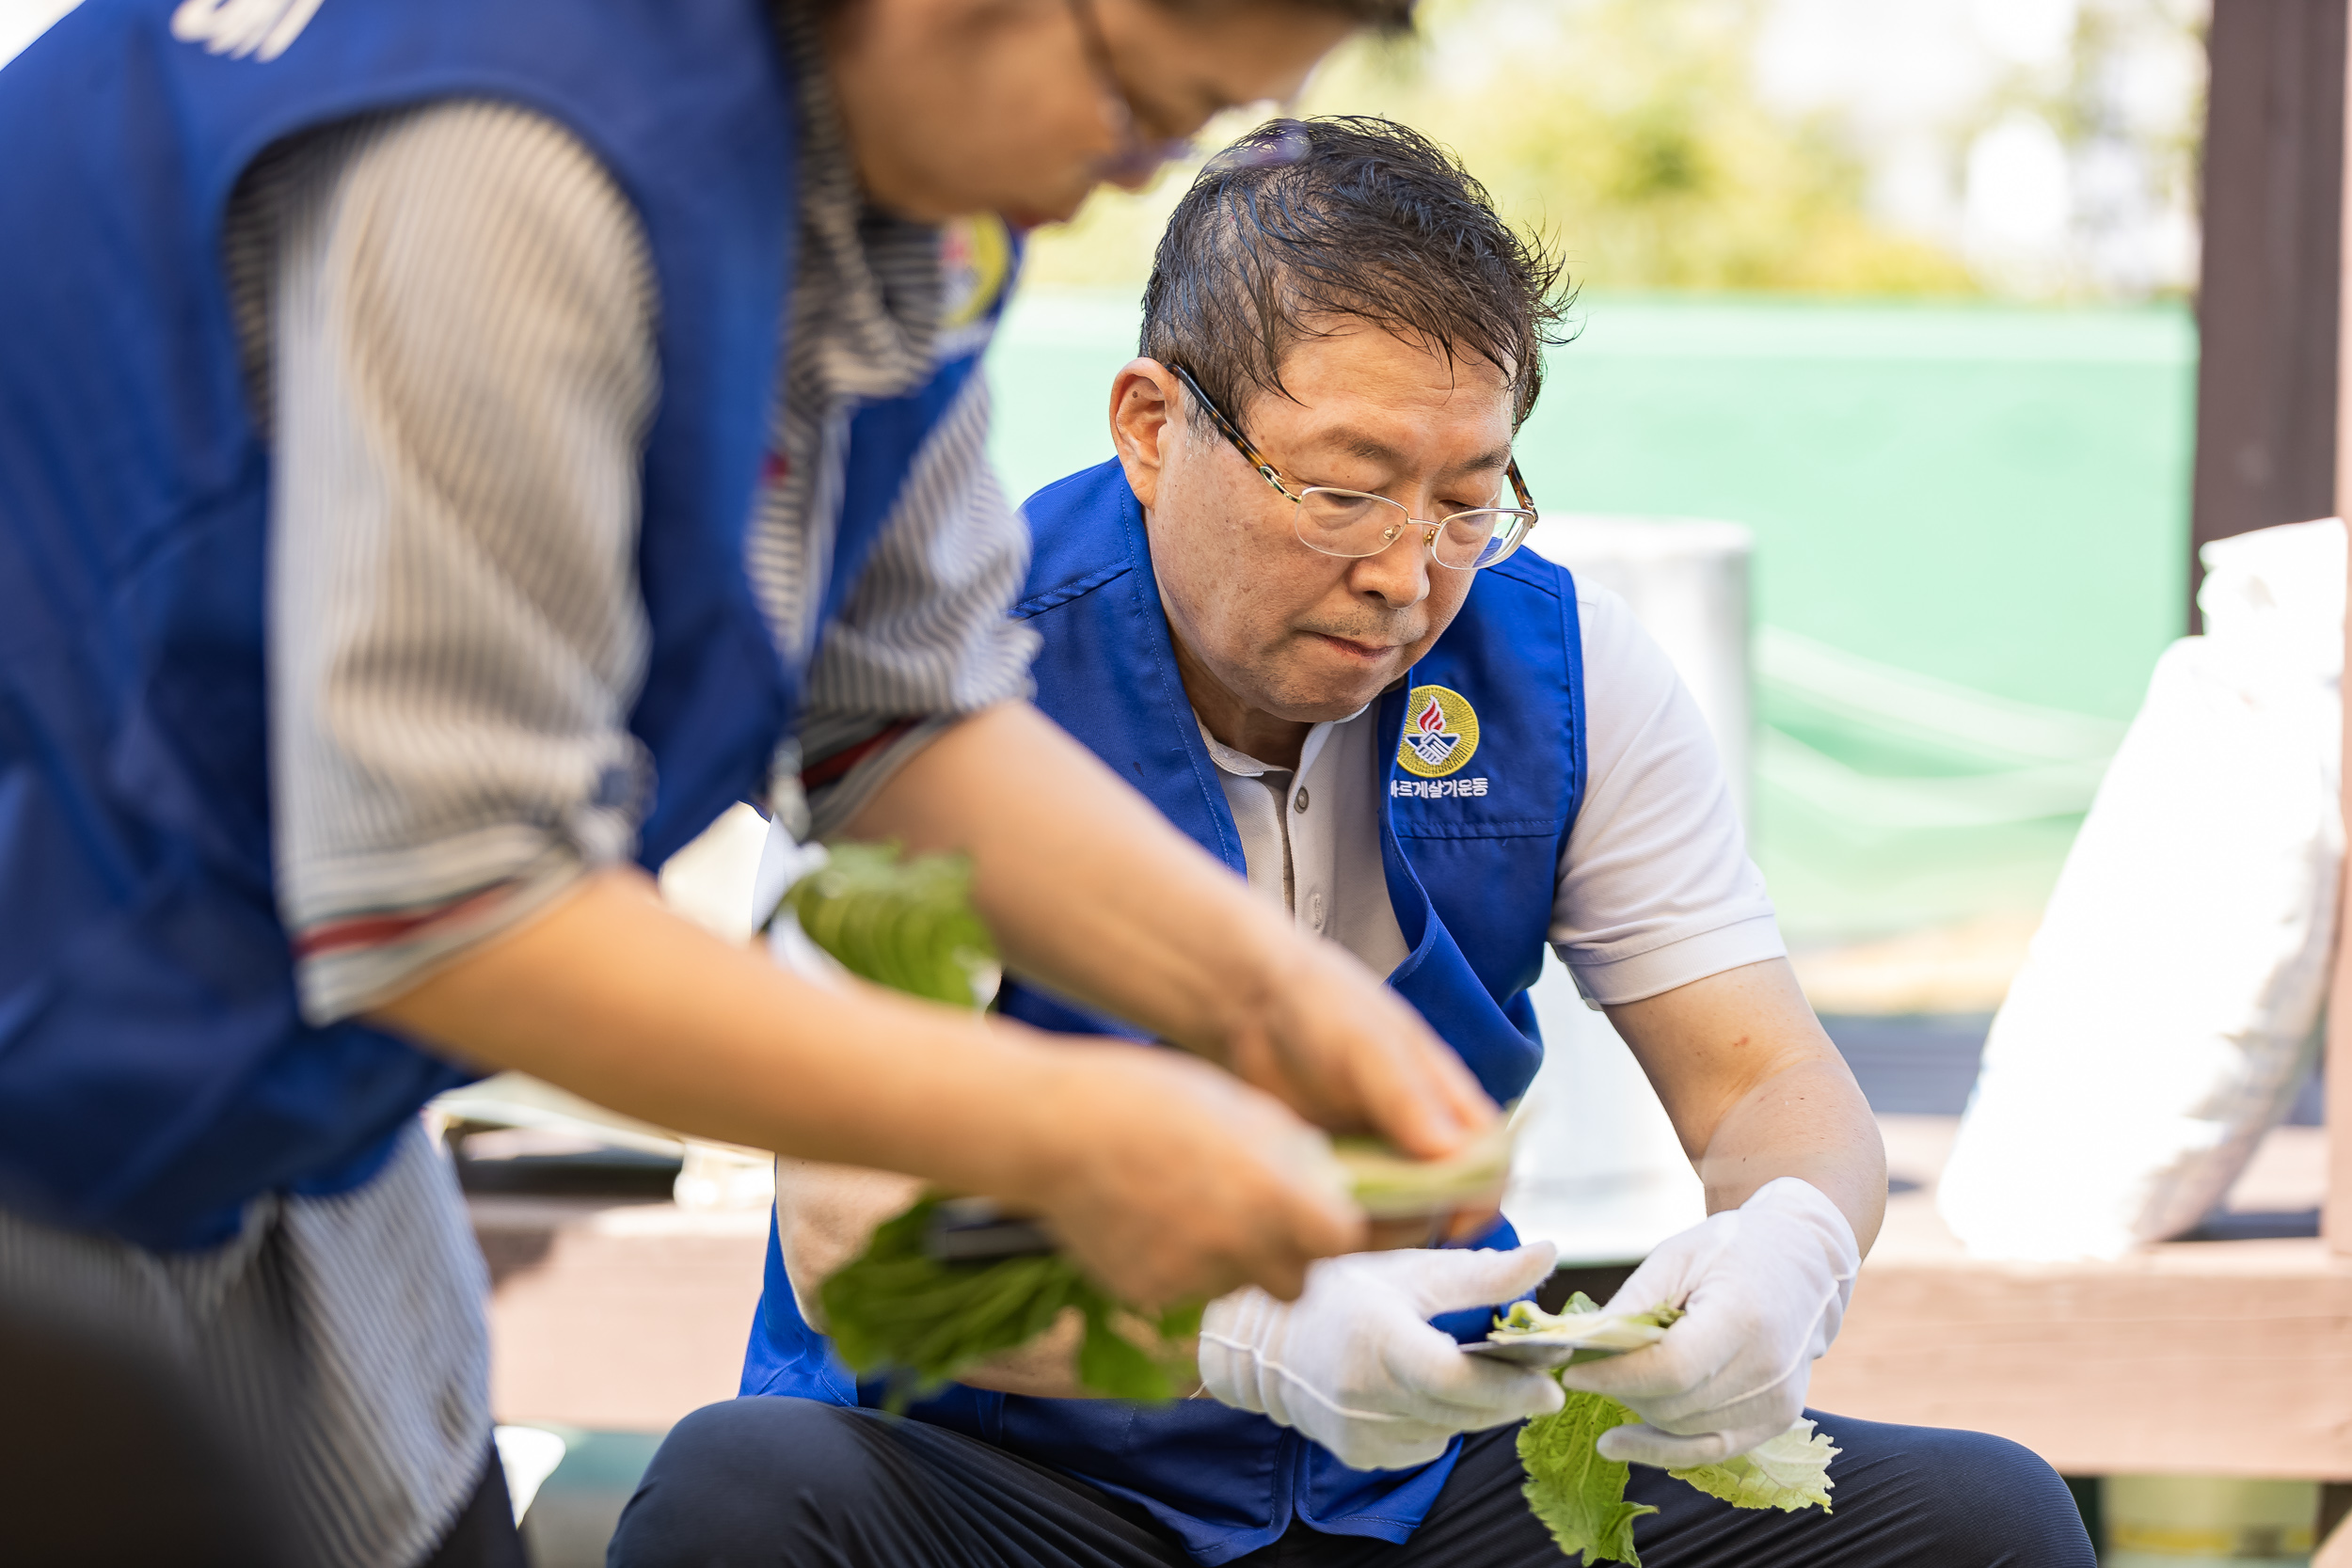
(924, 638)
(457, 320)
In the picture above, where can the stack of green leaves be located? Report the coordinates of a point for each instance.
(904, 923)
(894, 1310)
(899, 1313)
(1580, 1495)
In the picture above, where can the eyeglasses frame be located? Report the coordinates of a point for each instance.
(1265, 471)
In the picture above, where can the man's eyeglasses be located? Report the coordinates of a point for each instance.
(1137, 155)
(1356, 523)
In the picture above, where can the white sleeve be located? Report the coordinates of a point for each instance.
(1656, 889)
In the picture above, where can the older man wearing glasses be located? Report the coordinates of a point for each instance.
(1293, 611)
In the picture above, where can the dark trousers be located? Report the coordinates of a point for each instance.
(792, 1484)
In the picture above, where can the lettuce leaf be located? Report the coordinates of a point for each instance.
(1790, 1472)
(895, 1311)
(1390, 1185)
(1582, 1324)
(900, 922)
(1581, 1496)
(1575, 1492)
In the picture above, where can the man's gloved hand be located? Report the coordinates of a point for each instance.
(1765, 1287)
(1353, 1364)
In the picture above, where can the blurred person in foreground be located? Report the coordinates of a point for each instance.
(110, 1458)
(1294, 611)
(448, 451)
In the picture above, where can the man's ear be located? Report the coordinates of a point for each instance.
(1143, 423)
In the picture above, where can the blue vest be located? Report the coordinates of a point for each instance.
(1471, 839)
(154, 1073)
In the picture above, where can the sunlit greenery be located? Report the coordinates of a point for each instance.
(1625, 130)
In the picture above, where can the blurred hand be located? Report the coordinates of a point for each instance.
(1354, 1365)
(1765, 1287)
(1329, 1038)
(1170, 1180)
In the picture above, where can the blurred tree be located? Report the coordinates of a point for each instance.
(1629, 131)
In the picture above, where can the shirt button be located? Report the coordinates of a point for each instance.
(1314, 911)
(1298, 802)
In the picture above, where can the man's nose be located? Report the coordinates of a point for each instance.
(1400, 574)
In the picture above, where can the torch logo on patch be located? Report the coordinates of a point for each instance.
(1441, 732)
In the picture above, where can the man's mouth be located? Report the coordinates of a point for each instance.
(1366, 653)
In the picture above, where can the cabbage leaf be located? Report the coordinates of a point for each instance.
(904, 923)
(897, 1312)
(1579, 1494)
(1790, 1472)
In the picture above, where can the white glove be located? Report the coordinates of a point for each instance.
(1765, 1287)
(1353, 1364)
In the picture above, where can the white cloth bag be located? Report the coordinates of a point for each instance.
(2168, 1010)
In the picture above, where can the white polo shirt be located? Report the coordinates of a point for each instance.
(1656, 889)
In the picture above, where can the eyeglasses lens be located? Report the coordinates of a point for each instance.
(1350, 523)
(1344, 522)
(1466, 537)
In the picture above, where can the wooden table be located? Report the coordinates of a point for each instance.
(2211, 1357)
(2195, 1357)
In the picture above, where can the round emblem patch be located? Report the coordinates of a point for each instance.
(1441, 732)
(975, 263)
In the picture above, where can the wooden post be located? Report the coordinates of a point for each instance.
(2333, 1540)
(2267, 412)
(2336, 1218)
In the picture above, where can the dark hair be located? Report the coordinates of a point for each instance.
(1346, 216)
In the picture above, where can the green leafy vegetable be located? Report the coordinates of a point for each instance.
(1789, 1473)
(1578, 1494)
(1582, 1324)
(907, 924)
(894, 1310)
(897, 1311)
(1389, 1186)
(1525, 1317)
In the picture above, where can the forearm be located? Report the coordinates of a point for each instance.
(1757, 1091)
(747, 1052)
(1092, 891)
(1807, 1120)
